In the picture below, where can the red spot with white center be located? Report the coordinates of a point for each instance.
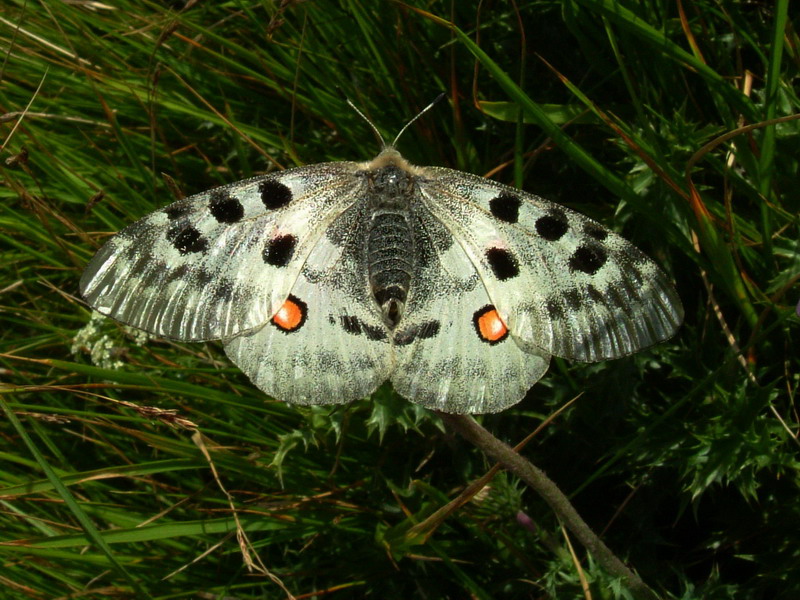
(291, 315)
(490, 327)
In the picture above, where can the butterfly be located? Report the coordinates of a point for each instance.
(324, 281)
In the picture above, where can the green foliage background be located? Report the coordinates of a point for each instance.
(684, 456)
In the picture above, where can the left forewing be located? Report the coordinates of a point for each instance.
(219, 263)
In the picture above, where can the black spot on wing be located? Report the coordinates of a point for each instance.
(186, 239)
(351, 325)
(595, 294)
(355, 326)
(225, 208)
(595, 231)
(588, 258)
(506, 207)
(421, 331)
(279, 250)
(274, 194)
(555, 309)
(177, 210)
(573, 299)
(428, 329)
(553, 226)
(503, 263)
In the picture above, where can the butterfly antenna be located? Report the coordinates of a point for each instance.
(370, 123)
(419, 114)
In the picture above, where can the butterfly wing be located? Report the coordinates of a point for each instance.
(453, 353)
(331, 345)
(222, 262)
(560, 281)
(277, 267)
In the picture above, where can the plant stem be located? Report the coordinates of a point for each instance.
(471, 430)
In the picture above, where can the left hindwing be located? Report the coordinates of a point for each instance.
(328, 344)
(560, 281)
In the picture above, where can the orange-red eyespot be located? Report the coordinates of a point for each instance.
(489, 325)
(291, 315)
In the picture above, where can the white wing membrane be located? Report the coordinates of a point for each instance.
(219, 263)
(562, 282)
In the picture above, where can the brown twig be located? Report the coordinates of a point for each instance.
(472, 431)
